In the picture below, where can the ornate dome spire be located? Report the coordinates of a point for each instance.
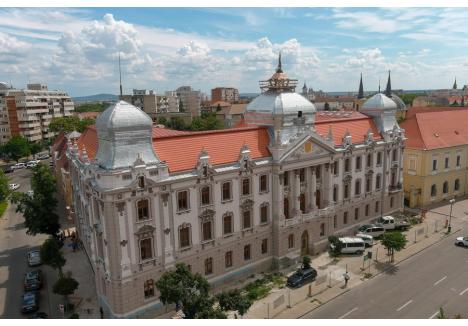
(279, 82)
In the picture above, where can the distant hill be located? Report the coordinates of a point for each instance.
(96, 98)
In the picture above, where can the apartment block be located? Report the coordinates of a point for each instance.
(226, 94)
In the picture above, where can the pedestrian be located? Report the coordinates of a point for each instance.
(346, 278)
(102, 312)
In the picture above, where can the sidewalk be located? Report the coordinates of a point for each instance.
(288, 303)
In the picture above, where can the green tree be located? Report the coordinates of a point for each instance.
(213, 123)
(198, 124)
(92, 107)
(51, 254)
(177, 123)
(65, 285)
(162, 120)
(84, 123)
(16, 148)
(4, 189)
(393, 241)
(69, 124)
(441, 314)
(234, 300)
(408, 98)
(182, 287)
(35, 148)
(306, 262)
(337, 245)
(39, 210)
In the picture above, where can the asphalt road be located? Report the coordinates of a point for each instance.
(416, 288)
(14, 245)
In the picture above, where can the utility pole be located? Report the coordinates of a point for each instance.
(120, 78)
(449, 229)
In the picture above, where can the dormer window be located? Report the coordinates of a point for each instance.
(205, 171)
(141, 182)
(246, 164)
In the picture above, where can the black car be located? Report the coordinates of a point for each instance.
(33, 280)
(8, 169)
(30, 302)
(301, 276)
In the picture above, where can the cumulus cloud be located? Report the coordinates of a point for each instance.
(366, 57)
(11, 49)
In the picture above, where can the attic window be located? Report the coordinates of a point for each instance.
(299, 114)
(141, 182)
(205, 171)
(436, 134)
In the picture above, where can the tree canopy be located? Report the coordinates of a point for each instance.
(92, 107)
(4, 189)
(234, 300)
(16, 148)
(69, 124)
(51, 254)
(337, 245)
(65, 286)
(39, 210)
(393, 241)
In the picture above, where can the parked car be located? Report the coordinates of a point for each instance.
(31, 164)
(14, 186)
(43, 156)
(33, 280)
(30, 302)
(391, 223)
(19, 166)
(301, 276)
(462, 241)
(39, 315)
(9, 169)
(351, 245)
(368, 239)
(374, 230)
(34, 258)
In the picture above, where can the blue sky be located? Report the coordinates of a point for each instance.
(163, 48)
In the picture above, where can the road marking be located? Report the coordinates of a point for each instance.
(405, 305)
(434, 315)
(443, 278)
(348, 313)
(464, 291)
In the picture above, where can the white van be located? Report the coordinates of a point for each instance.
(352, 245)
(368, 239)
(374, 230)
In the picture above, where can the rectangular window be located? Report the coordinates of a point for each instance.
(143, 210)
(228, 259)
(394, 155)
(291, 241)
(246, 219)
(245, 187)
(446, 162)
(264, 183)
(377, 206)
(379, 158)
(227, 191)
(434, 165)
(206, 229)
(357, 189)
(146, 251)
(356, 213)
(345, 218)
(346, 191)
(247, 252)
(182, 200)
(335, 168)
(368, 184)
(302, 175)
(369, 160)
(358, 163)
(205, 196)
(391, 202)
(367, 210)
(184, 235)
(264, 246)
(335, 194)
(458, 160)
(264, 214)
(227, 224)
(208, 266)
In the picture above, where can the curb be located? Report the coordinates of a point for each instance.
(379, 273)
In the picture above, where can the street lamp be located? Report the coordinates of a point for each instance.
(449, 229)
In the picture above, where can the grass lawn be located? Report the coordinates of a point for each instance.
(3, 207)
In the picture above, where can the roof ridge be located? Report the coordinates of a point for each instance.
(419, 129)
(218, 131)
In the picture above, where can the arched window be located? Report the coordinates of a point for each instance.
(208, 266)
(205, 195)
(291, 241)
(457, 185)
(433, 190)
(143, 209)
(149, 288)
(445, 187)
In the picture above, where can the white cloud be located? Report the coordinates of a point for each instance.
(11, 49)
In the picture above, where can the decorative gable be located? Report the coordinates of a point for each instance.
(204, 167)
(309, 147)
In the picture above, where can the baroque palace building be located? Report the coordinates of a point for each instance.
(232, 202)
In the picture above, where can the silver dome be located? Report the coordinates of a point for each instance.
(382, 109)
(281, 103)
(379, 102)
(124, 136)
(401, 106)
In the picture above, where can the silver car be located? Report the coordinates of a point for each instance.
(34, 258)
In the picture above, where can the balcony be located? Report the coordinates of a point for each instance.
(34, 138)
(28, 118)
(395, 188)
(292, 221)
(31, 124)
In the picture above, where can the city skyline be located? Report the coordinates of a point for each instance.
(164, 48)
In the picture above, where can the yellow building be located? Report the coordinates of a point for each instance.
(435, 157)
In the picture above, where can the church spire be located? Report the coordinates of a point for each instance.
(455, 84)
(304, 88)
(120, 78)
(279, 69)
(388, 90)
(361, 89)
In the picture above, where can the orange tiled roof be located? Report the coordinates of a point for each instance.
(412, 111)
(432, 130)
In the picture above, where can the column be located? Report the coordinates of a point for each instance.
(314, 188)
(308, 195)
(297, 193)
(328, 177)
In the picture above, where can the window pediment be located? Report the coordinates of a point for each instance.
(145, 230)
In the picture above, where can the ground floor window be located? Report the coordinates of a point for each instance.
(149, 289)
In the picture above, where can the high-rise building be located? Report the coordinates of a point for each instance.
(28, 112)
(189, 100)
(144, 99)
(225, 94)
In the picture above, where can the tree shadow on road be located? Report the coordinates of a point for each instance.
(386, 267)
(16, 227)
